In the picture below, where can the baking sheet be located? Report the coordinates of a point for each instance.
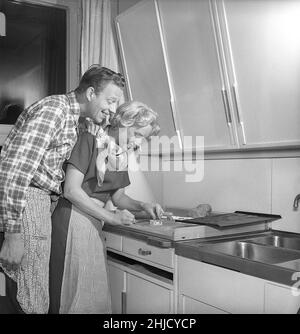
(237, 218)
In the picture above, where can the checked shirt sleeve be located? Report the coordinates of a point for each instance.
(21, 160)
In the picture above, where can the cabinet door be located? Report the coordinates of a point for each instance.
(190, 305)
(116, 279)
(263, 55)
(197, 77)
(143, 61)
(280, 300)
(221, 288)
(143, 296)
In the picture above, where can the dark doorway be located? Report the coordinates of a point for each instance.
(32, 56)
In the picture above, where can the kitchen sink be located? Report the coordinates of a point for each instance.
(278, 241)
(254, 252)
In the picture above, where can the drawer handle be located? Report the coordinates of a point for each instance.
(144, 252)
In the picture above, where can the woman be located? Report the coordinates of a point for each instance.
(96, 176)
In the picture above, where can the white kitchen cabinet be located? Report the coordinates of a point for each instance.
(192, 306)
(197, 76)
(205, 288)
(141, 276)
(223, 289)
(280, 299)
(135, 291)
(262, 51)
(144, 63)
(144, 296)
(116, 281)
(230, 68)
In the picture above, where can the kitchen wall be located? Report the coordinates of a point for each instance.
(255, 185)
(266, 185)
(258, 185)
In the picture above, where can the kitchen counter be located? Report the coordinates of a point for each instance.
(167, 232)
(245, 252)
(195, 267)
(148, 237)
(246, 263)
(280, 271)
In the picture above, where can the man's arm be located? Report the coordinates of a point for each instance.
(20, 162)
(17, 166)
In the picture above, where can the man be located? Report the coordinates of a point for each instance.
(31, 171)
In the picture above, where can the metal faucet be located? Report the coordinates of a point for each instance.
(296, 202)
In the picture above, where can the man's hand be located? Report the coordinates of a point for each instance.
(154, 209)
(12, 251)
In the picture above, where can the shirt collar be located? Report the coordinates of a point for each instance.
(74, 105)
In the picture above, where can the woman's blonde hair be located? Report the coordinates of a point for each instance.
(137, 114)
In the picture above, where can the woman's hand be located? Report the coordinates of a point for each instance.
(124, 217)
(154, 209)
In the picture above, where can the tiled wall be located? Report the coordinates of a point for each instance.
(259, 185)
(285, 186)
(145, 185)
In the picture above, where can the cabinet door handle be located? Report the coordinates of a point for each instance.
(123, 302)
(119, 36)
(174, 117)
(226, 106)
(169, 75)
(227, 113)
(144, 252)
(239, 117)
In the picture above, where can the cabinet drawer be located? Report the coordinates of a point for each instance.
(140, 249)
(113, 241)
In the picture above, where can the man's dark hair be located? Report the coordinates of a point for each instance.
(99, 77)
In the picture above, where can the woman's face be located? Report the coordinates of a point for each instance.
(136, 135)
(131, 137)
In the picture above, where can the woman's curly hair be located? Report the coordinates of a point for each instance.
(137, 114)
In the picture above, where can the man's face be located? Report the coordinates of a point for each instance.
(101, 105)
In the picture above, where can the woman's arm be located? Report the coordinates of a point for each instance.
(122, 201)
(77, 196)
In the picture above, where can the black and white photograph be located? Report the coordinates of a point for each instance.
(149, 159)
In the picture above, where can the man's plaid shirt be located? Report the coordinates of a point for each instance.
(34, 152)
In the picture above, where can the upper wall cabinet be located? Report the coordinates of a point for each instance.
(142, 52)
(227, 70)
(262, 49)
(197, 76)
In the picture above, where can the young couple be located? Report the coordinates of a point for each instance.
(31, 171)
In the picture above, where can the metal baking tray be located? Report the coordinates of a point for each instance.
(234, 219)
